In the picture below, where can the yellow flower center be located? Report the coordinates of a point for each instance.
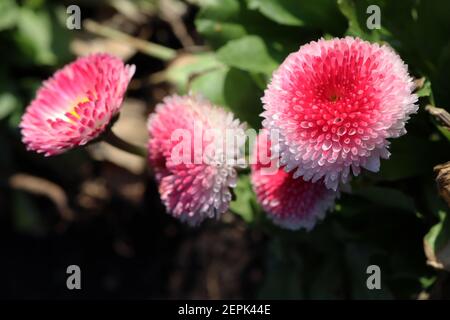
(75, 104)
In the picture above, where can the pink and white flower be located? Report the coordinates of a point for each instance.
(76, 104)
(194, 184)
(336, 103)
(290, 203)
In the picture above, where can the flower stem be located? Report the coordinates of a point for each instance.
(149, 48)
(121, 144)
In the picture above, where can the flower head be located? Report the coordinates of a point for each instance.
(335, 103)
(193, 159)
(290, 203)
(76, 104)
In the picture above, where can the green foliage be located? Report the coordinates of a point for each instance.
(315, 13)
(250, 39)
(245, 204)
(386, 216)
(32, 35)
(389, 197)
(34, 42)
(248, 53)
(9, 12)
(8, 103)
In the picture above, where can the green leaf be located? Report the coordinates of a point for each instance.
(445, 132)
(348, 9)
(242, 97)
(9, 12)
(355, 12)
(323, 14)
(407, 158)
(387, 197)
(188, 67)
(222, 10)
(243, 205)
(425, 91)
(279, 11)
(249, 53)
(218, 32)
(210, 85)
(35, 35)
(437, 243)
(8, 103)
(233, 89)
(427, 282)
(435, 203)
(217, 21)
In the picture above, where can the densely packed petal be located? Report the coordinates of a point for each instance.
(76, 104)
(335, 103)
(194, 149)
(290, 203)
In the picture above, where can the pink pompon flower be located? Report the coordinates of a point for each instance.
(193, 164)
(290, 203)
(76, 104)
(335, 104)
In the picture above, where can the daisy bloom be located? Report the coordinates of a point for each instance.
(290, 203)
(76, 104)
(335, 103)
(193, 161)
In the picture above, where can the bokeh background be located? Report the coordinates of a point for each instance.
(99, 207)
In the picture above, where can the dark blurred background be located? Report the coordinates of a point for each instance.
(99, 207)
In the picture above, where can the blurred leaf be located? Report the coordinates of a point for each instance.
(61, 36)
(435, 203)
(425, 91)
(219, 9)
(8, 103)
(217, 21)
(322, 14)
(220, 25)
(34, 4)
(8, 14)
(34, 36)
(444, 131)
(218, 32)
(281, 11)
(27, 218)
(387, 197)
(210, 85)
(187, 67)
(437, 243)
(355, 12)
(245, 196)
(427, 282)
(233, 89)
(348, 9)
(242, 96)
(9, 100)
(407, 158)
(248, 53)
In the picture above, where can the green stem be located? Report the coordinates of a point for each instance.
(121, 144)
(150, 48)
